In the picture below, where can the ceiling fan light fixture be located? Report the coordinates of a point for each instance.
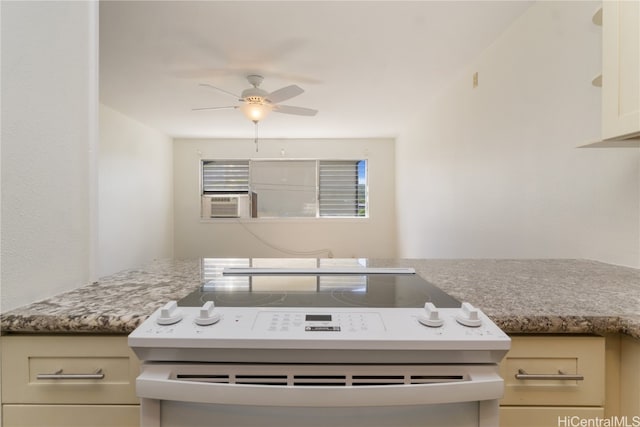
(257, 103)
(255, 111)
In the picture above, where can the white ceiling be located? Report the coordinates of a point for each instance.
(366, 66)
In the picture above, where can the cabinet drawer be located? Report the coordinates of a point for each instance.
(71, 415)
(26, 358)
(550, 356)
(526, 416)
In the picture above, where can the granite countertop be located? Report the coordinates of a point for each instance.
(521, 296)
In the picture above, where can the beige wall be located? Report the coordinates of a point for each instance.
(135, 194)
(371, 237)
(494, 172)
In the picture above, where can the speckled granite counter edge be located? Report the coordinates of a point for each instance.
(47, 324)
(511, 324)
(565, 325)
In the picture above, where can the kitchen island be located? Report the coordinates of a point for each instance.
(520, 296)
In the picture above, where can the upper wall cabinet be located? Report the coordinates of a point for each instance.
(621, 69)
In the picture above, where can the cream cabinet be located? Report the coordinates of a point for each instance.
(59, 380)
(621, 69)
(552, 378)
(630, 378)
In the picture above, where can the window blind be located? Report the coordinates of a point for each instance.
(225, 176)
(340, 193)
(284, 188)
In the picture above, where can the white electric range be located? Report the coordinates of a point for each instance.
(330, 344)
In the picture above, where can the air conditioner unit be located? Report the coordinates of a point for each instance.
(226, 206)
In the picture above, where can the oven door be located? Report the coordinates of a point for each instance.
(203, 394)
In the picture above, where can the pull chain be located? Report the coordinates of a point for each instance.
(255, 140)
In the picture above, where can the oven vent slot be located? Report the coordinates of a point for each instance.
(369, 380)
(204, 378)
(432, 379)
(258, 379)
(320, 380)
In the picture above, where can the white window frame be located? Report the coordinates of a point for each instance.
(317, 195)
(236, 163)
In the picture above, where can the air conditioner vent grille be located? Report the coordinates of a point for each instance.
(225, 206)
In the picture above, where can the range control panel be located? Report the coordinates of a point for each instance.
(426, 328)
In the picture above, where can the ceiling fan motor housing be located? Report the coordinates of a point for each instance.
(254, 95)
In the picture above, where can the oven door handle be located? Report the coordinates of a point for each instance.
(155, 382)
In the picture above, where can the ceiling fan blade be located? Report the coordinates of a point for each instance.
(216, 108)
(285, 93)
(221, 90)
(299, 111)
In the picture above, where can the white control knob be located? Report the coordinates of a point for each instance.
(207, 315)
(169, 314)
(468, 316)
(431, 317)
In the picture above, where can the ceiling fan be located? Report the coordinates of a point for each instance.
(257, 103)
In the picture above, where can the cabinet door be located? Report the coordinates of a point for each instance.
(537, 416)
(630, 377)
(620, 69)
(71, 415)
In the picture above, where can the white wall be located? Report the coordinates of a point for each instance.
(135, 193)
(372, 237)
(495, 172)
(49, 141)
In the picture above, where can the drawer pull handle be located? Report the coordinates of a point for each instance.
(59, 375)
(523, 375)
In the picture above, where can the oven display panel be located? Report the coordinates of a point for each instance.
(317, 318)
(344, 322)
(320, 328)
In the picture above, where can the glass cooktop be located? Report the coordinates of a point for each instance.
(293, 282)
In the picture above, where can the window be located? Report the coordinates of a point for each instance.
(284, 188)
(287, 188)
(342, 189)
(225, 176)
